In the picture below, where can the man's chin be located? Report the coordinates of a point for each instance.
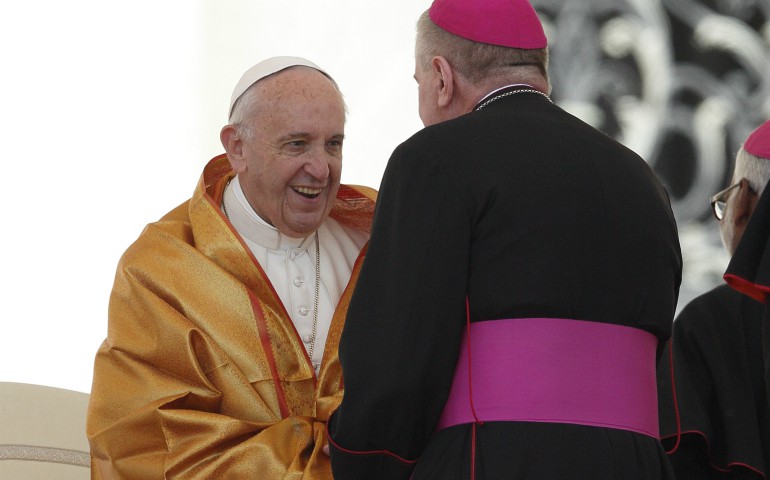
(299, 223)
(300, 229)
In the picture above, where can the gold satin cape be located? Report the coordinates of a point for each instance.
(202, 374)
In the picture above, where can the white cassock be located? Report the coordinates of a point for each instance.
(290, 266)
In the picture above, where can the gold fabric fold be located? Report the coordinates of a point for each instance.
(202, 374)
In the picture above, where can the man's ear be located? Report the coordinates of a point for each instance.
(233, 144)
(444, 80)
(745, 201)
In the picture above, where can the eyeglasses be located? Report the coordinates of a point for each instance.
(719, 201)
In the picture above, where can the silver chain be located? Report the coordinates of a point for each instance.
(317, 285)
(315, 303)
(224, 206)
(513, 92)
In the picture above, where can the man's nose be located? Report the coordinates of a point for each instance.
(317, 164)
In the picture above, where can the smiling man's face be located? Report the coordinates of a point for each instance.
(292, 161)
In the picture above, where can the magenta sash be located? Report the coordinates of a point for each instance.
(556, 370)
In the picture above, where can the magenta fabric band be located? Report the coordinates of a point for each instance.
(559, 371)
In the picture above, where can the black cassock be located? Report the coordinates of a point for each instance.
(713, 408)
(749, 269)
(525, 211)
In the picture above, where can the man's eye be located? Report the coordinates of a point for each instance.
(335, 143)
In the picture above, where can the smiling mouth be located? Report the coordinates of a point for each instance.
(308, 192)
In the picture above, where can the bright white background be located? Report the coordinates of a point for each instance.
(109, 110)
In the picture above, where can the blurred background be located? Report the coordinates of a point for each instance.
(110, 109)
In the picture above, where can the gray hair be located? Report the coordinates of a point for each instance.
(477, 61)
(249, 103)
(245, 108)
(756, 170)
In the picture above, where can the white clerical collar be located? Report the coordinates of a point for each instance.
(250, 225)
(490, 94)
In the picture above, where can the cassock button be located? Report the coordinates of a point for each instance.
(303, 310)
(307, 338)
(298, 282)
(292, 256)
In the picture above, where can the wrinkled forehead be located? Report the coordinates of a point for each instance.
(295, 102)
(298, 86)
(269, 68)
(286, 89)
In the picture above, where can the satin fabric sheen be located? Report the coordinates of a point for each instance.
(202, 374)
(555, 370)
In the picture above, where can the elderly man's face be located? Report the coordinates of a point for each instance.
(730, 228)
(291, 165)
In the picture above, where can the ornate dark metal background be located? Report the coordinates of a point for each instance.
(681, 82)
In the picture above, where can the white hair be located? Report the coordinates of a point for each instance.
(479, 61)
(756, 170)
